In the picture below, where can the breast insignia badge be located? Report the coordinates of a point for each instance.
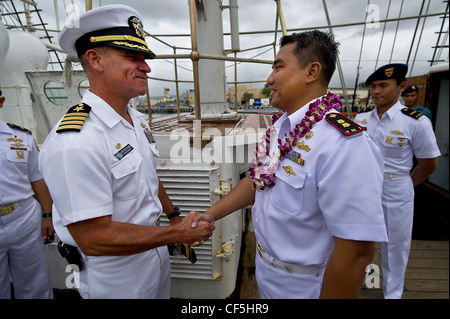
(302, 146)
(389, 139)
(288, 170)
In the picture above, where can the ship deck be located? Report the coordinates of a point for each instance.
(167, 124)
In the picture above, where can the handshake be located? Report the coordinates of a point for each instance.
(195, 228)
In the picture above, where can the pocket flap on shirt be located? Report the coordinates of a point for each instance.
(17, 156)
(295, 181)
(127, 165)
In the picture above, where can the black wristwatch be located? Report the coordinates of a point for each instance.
(175, 213)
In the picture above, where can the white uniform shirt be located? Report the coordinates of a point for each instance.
(108, 168)
(87, 180)
(19, 165)
(337, 192)
(399, 137)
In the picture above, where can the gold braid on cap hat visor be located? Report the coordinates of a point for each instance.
(111, 38)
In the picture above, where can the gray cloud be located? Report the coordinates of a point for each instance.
(172, 17)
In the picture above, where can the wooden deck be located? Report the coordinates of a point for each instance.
(427, 273)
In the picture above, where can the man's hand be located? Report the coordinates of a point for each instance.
(48, 232)
(201, 218)
(175, 220)
(102, 236)
(200, 232)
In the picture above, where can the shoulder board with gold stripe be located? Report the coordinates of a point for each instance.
(74, 119)
(413, 113)
(19, 128)
(366, 109)
(344, 124)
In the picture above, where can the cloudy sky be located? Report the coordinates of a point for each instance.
(172, 17)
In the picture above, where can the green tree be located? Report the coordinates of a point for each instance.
(246, 97)
(266, 90)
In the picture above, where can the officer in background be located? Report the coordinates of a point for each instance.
(25, 216)
(410, 95)
(100, 164)
(400, 133)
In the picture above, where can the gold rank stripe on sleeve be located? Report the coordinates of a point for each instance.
(74, 119)
(344, 124)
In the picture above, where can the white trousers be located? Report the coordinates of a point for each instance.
(141, 276)
(398, 207)
(23, 255)
(275, 283)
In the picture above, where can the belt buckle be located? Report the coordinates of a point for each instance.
(287, 269)
(7, 209)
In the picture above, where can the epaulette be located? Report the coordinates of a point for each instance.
(413, 113)
(344, 124)
(19, 128)
(74, 119)
(366, 109)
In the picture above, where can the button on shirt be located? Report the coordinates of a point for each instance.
(399, 137)
(19, 165)
(336, 192)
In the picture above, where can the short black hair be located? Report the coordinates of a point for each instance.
(315, 46)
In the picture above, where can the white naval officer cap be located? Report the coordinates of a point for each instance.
(116, 25)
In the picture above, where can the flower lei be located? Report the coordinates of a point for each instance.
(261, 174)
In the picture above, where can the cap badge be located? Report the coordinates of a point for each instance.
(388, 72)
(136, 24)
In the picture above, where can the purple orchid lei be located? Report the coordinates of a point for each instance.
(261, 173)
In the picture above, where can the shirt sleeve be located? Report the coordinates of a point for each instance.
(424, 140)
(350, 186)
(33, 164)
(77, 172)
